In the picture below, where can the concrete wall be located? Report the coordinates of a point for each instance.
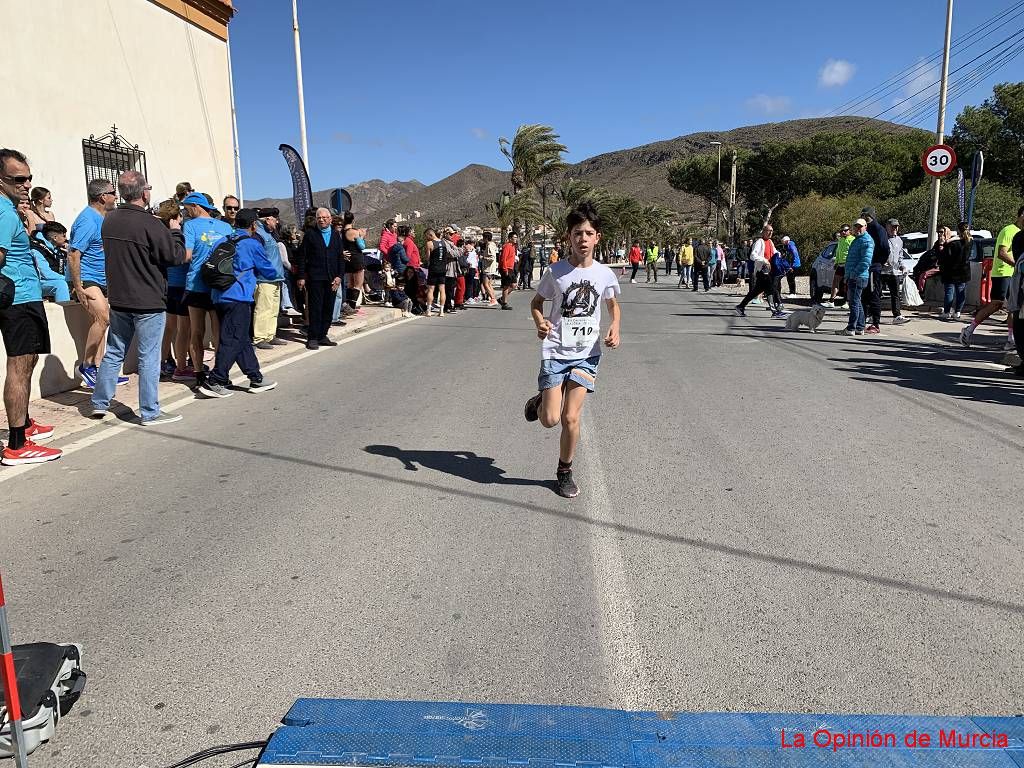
(85, 65)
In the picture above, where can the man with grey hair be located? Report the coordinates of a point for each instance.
(139, 249)
(319, 269)
(88, 276)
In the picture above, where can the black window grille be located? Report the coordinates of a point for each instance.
(111, 155)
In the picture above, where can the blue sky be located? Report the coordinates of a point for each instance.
(403, 90)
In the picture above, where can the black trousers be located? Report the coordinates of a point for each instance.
(872, 297)
(791, 279)
(235, 344)
(1018, 334)
(893, 283)
(635, 268)
(700, 273)
(668, 263)
(449, 292)
(321, 308)
(759, 283)
(777, 293)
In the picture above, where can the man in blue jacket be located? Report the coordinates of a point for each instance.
(268, 290)
(781, 266)
(234, 310)
(794, 262)
(858, 267)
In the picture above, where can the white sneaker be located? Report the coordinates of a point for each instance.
(957, 316)
(828, 304)
(901, 320)
(632, 281)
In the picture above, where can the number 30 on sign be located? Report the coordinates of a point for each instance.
(938, 160)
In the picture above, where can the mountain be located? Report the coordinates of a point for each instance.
(368, 197)
(641, 172)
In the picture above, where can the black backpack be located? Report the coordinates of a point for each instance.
(218, 271)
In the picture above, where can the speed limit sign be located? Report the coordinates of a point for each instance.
(938, 160)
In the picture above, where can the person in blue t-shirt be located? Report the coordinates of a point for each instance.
(201, 232)
(23, 324)
(87, 273)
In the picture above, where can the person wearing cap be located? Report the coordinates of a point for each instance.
(234, 307)
(139, 250)
(268, 289)
(873, 290)
(843, 241)
(893, 271)
(794, 259)
(858, 265)
(201, 231)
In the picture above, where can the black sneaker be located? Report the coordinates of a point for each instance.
(328, 342)
(531, 407)
(565, 486)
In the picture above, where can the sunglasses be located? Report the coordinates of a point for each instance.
(19, 179)
(230, 207)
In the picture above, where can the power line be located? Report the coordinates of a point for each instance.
(962, 44)
(999, 58)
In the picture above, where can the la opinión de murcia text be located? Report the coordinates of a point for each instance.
(951, 739)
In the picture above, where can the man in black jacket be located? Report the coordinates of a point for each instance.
(138, 248)
(872, 295)
(701, 259)
(319, 270)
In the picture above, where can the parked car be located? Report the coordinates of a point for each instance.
(732, 265)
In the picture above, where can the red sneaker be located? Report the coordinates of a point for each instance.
(873, 330)
(29, 453)
(38, 433)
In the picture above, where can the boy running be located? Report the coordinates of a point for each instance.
(571, 335)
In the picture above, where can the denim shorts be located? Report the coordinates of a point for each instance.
(554, 373)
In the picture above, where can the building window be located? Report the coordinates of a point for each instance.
(110, 155)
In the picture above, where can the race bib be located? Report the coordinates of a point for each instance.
(579, 332)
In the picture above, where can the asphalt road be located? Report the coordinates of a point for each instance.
(768, 521)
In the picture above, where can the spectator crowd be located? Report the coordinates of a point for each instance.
(182, 275)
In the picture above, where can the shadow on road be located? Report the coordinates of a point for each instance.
(464, 464)
(727, 550)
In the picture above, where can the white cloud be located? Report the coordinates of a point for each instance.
(836, 72)
(479, 133)
(768, 105)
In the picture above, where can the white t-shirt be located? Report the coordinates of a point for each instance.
(489, 259)
(575, 294)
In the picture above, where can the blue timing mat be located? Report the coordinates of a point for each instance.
(320, 732)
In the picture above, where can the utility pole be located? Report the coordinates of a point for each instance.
(234, 131)
(732, 202)
(940, 131)
(718, 205)
(298, 74)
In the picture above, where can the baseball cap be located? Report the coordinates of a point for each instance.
(198, 198)
(893, 222)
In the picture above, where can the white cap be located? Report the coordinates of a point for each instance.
(785, 239)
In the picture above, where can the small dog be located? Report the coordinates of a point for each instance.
(810, 317)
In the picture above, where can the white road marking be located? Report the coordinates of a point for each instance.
(9, 473)
(624, 656)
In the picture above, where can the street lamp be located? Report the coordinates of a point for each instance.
(718, 205)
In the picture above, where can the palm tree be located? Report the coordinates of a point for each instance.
(534, 152)
(511, 208)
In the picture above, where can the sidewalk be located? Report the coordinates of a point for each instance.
(924, 325)
(69, 411)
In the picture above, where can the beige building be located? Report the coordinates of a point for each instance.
(158, 71)
(155, 69)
